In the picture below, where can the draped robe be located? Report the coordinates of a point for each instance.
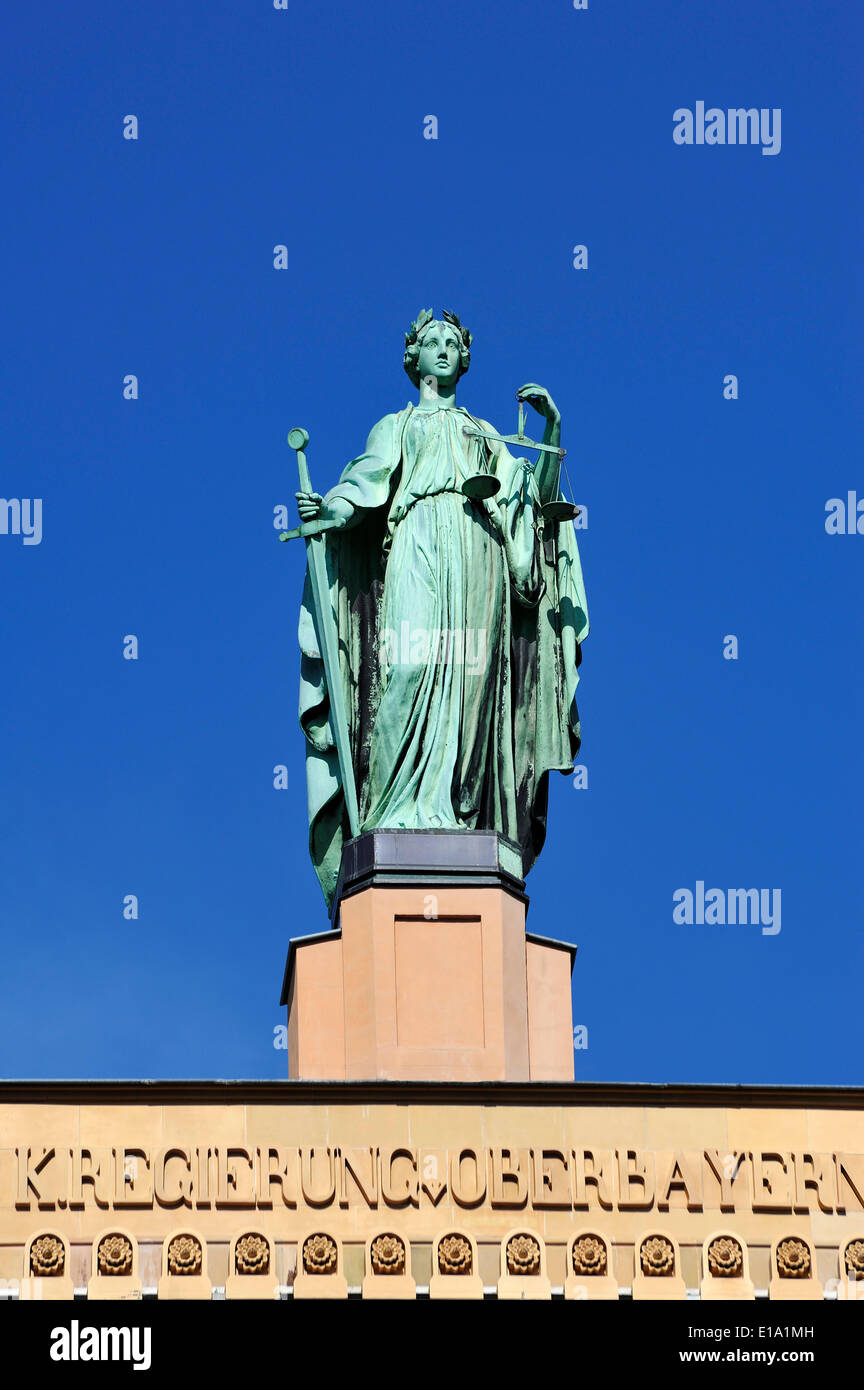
(459, 625)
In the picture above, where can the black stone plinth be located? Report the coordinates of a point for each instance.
(444, 858)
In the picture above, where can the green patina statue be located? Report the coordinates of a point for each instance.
(444, 586)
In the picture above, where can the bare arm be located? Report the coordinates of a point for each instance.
(547, 474)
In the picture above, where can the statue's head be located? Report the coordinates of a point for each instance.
(440, 348)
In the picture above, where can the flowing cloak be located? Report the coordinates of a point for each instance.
(544, 640)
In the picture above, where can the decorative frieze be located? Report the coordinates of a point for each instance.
(725, 1269)
(657, 1274)
(320, 1272)
(46, 1268)
(589, 1273)
(184, 1267)
(589, 1263)
(252, 1267)
(793, 1269)
(455, 1266)
(523, 1266)
(851, 1282)
(114, 1266)
(387, 1267)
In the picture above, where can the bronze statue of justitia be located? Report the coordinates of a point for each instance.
(447, 591)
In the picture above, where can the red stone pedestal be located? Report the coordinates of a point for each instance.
(433, 979)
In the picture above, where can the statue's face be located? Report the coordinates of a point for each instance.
(439, 354)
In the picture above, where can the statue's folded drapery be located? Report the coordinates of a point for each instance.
(459, 627)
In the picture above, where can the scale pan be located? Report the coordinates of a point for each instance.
(560, 511)
(480, 485)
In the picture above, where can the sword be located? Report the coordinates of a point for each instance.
(325, 627)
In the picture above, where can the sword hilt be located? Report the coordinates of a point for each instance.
(298, 439)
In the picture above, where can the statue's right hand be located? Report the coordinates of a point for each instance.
(308, 505)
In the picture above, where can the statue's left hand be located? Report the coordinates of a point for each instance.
(539, 398)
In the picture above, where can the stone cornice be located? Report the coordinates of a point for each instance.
(537, 1093)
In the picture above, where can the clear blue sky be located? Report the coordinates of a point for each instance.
(706, 516)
